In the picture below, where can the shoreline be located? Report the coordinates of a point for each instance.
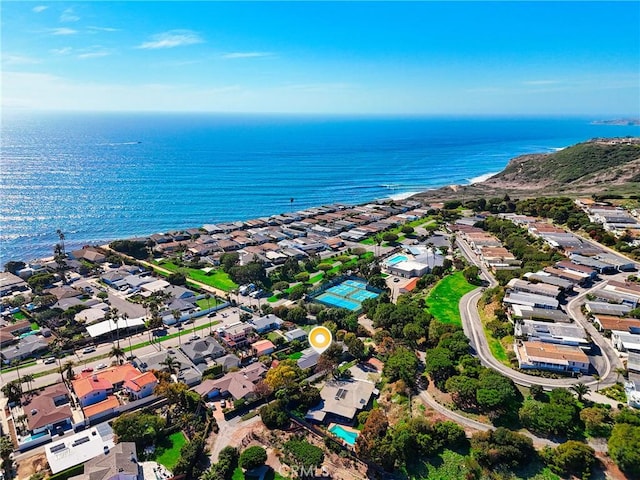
(74, 245)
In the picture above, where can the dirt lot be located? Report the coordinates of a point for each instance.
(34, 464)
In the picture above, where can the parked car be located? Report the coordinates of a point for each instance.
(223, 404)
(89, 350)
(50, 360)
(101, 366)
(87, 369)
(194, 337)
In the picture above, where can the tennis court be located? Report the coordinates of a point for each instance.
(342, 290)
(349, 294)
(336, 301)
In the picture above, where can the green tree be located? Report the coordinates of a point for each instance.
(571, 458)
(6, 449)
(252, 457)
(402, 365)
(13, 391)
(274, 415)
(14, 267)
(439, 366)
(501, 448)
(463, 391)
(624, 448)
(285, 375)
(597, 421)
(140, 427)
(390, 237)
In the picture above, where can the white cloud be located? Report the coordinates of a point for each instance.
(63, 31)
(61, 51)
(94, 29)
(69, 16)
(18, 60)
(247, 54)
(95, 53)
(171, 39)
(541, 82)
(39, 8)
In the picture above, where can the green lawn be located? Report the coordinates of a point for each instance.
(316, 278)
(273, 336)
(168, 452)
(295, 356)
(238, 474)
(368, 241)
(35, 326)
(215, 278)
(444, 298)
(19, 316)
(204, 304)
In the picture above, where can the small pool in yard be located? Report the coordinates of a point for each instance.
(346, 435)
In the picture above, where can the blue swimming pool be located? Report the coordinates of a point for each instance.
(346, 435)
(396, 259)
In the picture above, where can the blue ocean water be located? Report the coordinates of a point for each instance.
(99, 177)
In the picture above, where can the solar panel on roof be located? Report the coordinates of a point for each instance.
(80, 441)
(58, 448)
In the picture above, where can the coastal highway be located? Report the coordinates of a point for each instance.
(472, 326)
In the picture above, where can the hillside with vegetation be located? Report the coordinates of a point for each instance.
(597, 166)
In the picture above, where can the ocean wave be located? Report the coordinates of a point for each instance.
(481, 178)
(116, 144)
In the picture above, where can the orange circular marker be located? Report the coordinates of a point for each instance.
(320, 338)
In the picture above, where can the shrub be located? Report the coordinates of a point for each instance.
(303, 453)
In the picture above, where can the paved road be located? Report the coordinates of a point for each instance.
(472, 326)
(227, 316)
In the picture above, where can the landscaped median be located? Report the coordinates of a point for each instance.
(444, 299)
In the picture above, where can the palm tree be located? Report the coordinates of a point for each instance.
(61, 237)
(28, 379)
(176, 315)
(620, 372)
(171, 365)
(581, 390)
(597, 377)
(13, 391)
(117, 353)
(16, 364)
(115, 318)
(68, 369)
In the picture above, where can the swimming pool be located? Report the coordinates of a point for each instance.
(396, 259)
(346, 435)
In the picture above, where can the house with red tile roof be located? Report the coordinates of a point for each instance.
(140, 386)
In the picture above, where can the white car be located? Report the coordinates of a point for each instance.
(101, 366)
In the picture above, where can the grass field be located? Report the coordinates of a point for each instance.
(295, 356)
(216, 278)
(444, 298)
(19, 316)
(168, 452)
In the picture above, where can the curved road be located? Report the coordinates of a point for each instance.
(472, 326)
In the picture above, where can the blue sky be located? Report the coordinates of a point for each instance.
(504, 58)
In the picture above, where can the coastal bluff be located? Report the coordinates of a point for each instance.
(600, 165)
